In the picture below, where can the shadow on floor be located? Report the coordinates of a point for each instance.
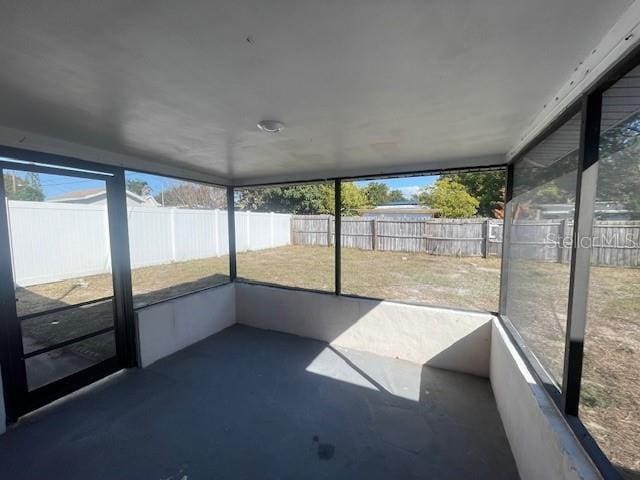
(248, 403)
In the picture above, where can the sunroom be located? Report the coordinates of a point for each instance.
(320, 239)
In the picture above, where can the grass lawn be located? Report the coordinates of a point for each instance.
(471, 283)
(610, 394)
(538, 295)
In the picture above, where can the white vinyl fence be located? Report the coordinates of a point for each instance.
(57, 241)
(257, 231)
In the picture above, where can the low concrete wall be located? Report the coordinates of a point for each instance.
(542, 443)
(170, 326)
(442, 338)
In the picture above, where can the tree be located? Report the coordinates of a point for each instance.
(353, 199)
(486, 187)
(619, 171)
(396, 196)
(193, 195)
(450, 198)
(26, 189)
(139, 187)
(550, 193)
(302, 199)
(498, 212)
(376, 193)
(297, 199)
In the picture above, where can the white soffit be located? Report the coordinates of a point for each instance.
(623, 37)
(362, 86)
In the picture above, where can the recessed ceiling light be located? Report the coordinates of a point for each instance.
(270, 126)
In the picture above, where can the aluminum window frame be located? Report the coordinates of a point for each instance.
(567, 399)
(338, 228)
(230, 279)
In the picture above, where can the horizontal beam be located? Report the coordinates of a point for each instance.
(430, 167)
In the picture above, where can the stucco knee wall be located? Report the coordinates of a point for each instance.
(438, 337)
(542, 443)
(170, 326)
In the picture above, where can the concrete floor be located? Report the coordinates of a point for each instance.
(249, 404)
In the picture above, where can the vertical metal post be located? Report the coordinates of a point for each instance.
(338, 234)
(121, 267)
(232, 234)
(581, 252)
(13, 369)
(506, 240)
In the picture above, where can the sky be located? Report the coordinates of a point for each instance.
(407, 185)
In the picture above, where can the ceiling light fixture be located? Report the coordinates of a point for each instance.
(270, 126)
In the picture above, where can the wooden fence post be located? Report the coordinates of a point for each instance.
(562, 231)
(485, 236)
(374, 234)
(328, 230)
(291, 230)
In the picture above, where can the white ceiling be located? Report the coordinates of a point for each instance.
(362, 86)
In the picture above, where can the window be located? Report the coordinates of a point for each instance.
(428, 239)
(542, 211)
(285, 235)
(178, 236)
(610, 392)
(61, 258)
(62, 214)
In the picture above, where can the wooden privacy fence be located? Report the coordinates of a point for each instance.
(613, 243)
(475, 237)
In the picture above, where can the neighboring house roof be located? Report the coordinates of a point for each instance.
(89, 193)
(78, 195)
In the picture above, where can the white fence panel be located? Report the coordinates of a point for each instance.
(243, 231)
(51, 241)
(78, 234)
(194, 233)
(257, 230)
(150, 237)
(281, 229)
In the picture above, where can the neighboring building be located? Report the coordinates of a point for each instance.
(400, 210)
(98, 196)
